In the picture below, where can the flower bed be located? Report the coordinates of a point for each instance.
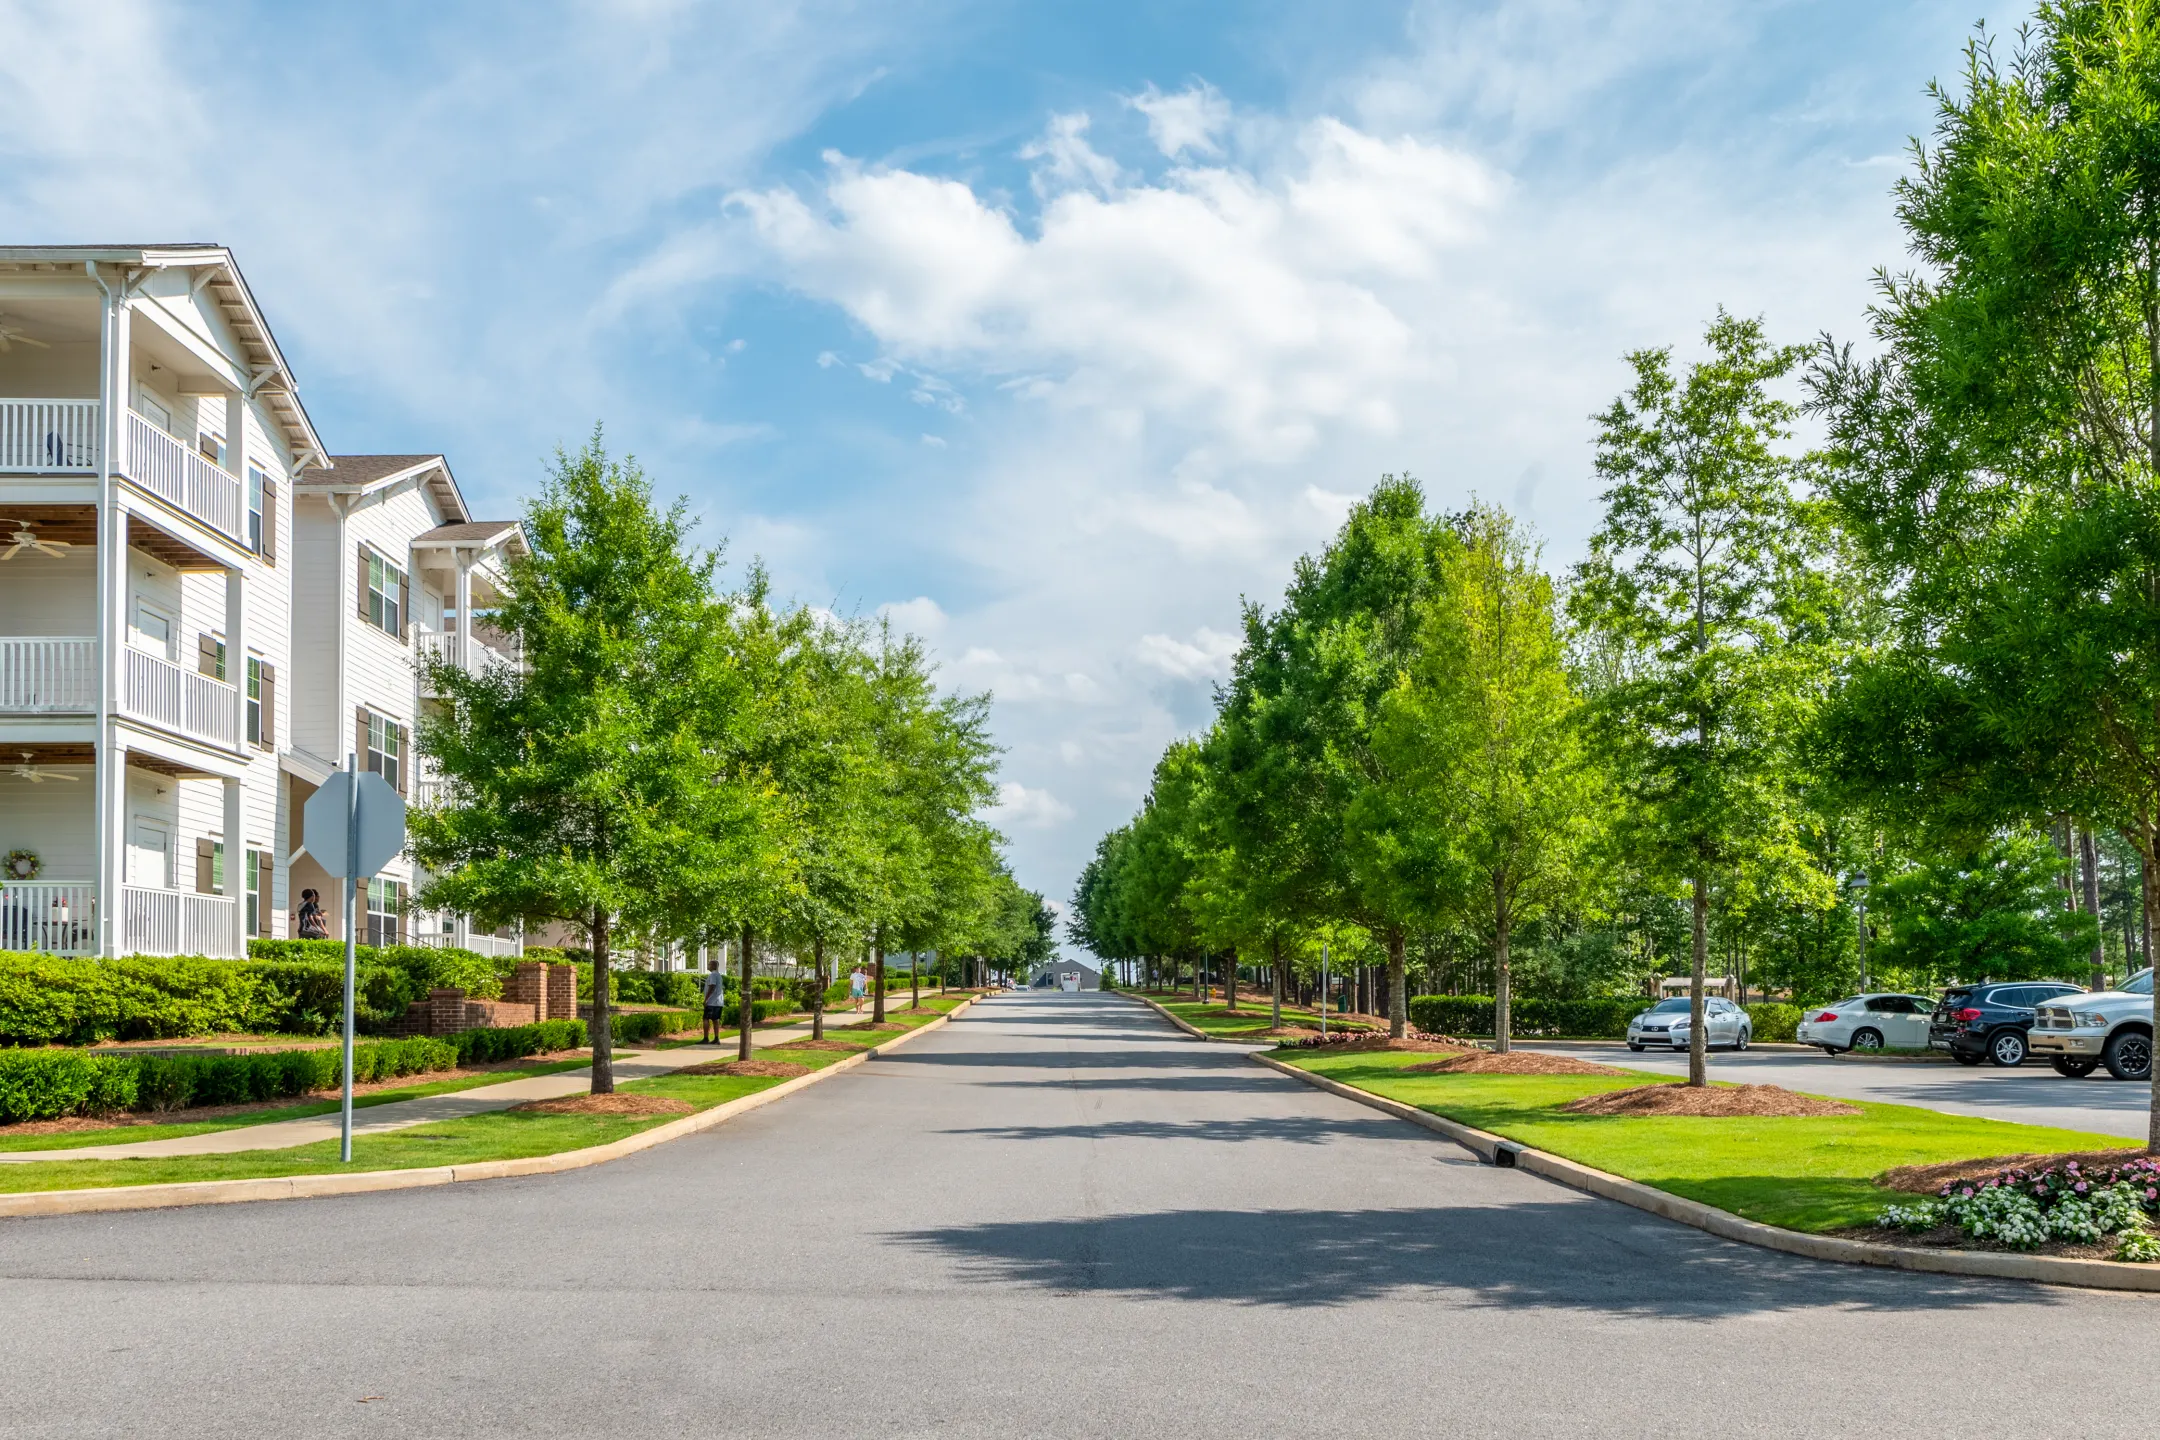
(2023, 1209)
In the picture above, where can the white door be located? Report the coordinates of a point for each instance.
(149, 854)
(151, 629)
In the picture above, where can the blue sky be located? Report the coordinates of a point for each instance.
(1052, 330)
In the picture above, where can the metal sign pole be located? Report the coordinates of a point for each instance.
(352, 942)
(1323, 987)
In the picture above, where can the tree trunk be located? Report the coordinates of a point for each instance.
(2147, 841)
(1503, 977)
(1698, 1052)
(817, 995)
(877, 981)
(745, 1000)
(1275, 981)
(1199, 978)
(1229, 980)
(2089, 862)
(1398, 1020)
(914, 980)
(602, 1029)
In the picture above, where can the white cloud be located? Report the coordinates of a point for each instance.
(1018, 807)
(1206, 656)
(1188, 120)
(919, 616)
(1069, 162)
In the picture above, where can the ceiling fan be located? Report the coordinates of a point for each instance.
(12, 333)
(27, 771)
(26, 539)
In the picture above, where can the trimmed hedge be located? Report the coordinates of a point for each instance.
(47, 1084)
(1600, 1019)
(426, 967)
(483, 1047)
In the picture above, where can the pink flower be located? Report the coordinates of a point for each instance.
(2081, 1187)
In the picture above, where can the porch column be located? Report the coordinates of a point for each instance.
(236, 641)
(236, 856)
(462, 646)
(110, 758)
(112, 861)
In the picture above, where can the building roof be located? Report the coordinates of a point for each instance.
(472, 532)
(359, 474)
(366, 469)
(269, 379)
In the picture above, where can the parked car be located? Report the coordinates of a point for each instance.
(1668, 1023)
(1989, 1021)
(1868, 1022)
(2108, 1027)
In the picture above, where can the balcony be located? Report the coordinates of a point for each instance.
(45, 675)
(440, 646)
(48, 919)
(185, 480)
(43, 437)
(163, 694)
(176, 922)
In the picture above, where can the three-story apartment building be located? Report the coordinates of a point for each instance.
(173, 640)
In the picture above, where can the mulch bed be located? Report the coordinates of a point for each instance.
(785, 1069)
(616, 1104)
(1514, 1062)
(72, 1124)
(878, 1025)
(1368, 1044)
(1928, 1179)
(1709, 1100)
(817, 1045)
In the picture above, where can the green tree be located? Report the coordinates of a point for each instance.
(1683, 577)
(577, 786)
(1992, 914)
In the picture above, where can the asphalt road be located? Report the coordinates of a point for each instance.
(2031, 1094)
(1055, 1217)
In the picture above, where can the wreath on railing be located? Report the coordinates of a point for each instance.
(21, 865)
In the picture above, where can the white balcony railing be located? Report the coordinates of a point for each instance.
(48, 918)
(41, 436)
(441, 647)
(176, 922)
(46, 673)
(442, 929)
(163, 694)
(428, 792)
(176, 474)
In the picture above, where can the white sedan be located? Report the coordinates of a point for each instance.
(1869, 1022)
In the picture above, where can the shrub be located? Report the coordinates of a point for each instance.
(1601, 1018)
(174, 1082)
(425, 967)
(2020, 1209)
(1774, 1022)
(484, 1047)
(52, 999)
(47, 1084)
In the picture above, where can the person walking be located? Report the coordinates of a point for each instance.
(313, 925)
(714, 985)
(858, 985)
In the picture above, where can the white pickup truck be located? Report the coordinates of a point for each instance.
(2078, 1033)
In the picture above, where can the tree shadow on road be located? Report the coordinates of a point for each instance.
(1564, 1254)
(1227, 1083)
(1295, 1129)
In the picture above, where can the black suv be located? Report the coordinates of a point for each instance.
(1989, 1021)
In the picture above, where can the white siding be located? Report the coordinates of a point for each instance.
(56, 818)
(43, 596)
(318, 610)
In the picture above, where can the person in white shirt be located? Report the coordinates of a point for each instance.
(714, 985)
(858, 985)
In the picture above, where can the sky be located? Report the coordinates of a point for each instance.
(1056, 332)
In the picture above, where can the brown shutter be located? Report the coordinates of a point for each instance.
(206, 655)
(269, 545)
(264, 873)
(404, 756)
(268, 729)
(397, 901)
(404, 606)
(360, 736)
(360, 582)
(205, 851)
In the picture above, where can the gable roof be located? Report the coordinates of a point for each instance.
(360, 474)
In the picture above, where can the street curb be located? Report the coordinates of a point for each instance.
(1188, 1028)
(1491, 1148)
(294, 1187)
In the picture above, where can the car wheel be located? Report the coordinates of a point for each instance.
(2072, 1068)
(2129, 1055)
(1744, 1038)
(1867, 1039)
(2006, 1048)
(1964, 1058)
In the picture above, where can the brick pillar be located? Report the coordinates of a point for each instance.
(561, 999)
(527, 985)
(446, 1011)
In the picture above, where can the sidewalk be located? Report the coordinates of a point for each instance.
(630, 1064)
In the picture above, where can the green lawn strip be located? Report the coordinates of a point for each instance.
(498, 1135)
(130, 1134)
(1251, 1018)
(1802, 1173)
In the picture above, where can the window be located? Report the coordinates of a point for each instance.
(212, 448)
(385, 911)
(385, 595)
(258, 885)
(386, 750)
(256, 482)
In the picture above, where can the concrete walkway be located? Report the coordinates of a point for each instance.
(630, 1064)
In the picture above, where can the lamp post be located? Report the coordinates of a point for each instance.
(1323, 987)
(1860, 885)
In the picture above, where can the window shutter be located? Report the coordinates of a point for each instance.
(268, 731)
(404, 606)
(361, 577)
(360, 737)
(205, 853)
(264, 871)
(404, 756)
(397, 906)
(206, 655)
(269, 545)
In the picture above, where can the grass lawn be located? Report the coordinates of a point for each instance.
(501, 1135)
(1805, 1174)
(299, 1110)
(1251, 1018)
